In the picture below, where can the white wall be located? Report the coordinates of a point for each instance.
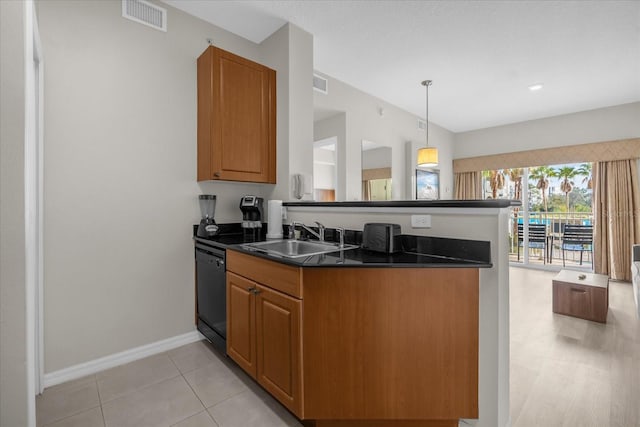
(604, 124)
(394, 129)
(300, 103)
(120, 172)
(377, 158)
(14, 397)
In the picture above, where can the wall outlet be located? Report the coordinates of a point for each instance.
(421, 221)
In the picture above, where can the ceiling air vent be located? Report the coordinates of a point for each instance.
(320, 84)
(145, 13)
(422, 125)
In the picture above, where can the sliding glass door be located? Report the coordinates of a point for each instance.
(553, 197)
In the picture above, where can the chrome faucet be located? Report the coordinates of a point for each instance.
(319, 235)
(340, 231)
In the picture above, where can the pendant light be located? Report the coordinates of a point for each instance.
(428, 156)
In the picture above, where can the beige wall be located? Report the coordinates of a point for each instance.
(14, 398)
(120, 168)
(604, 124)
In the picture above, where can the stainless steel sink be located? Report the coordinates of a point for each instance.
(295, 248)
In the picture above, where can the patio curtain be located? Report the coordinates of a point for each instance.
(468, 186)
(616, 204)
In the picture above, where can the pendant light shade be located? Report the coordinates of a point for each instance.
(427, 156)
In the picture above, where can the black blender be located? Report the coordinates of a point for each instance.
(251, 207)
(207, 227)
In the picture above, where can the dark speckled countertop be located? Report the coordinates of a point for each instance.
(417, 252)
(497, 203)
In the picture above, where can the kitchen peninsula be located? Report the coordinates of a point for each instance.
(467, 220)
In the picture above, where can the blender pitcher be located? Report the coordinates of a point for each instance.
(207, 227)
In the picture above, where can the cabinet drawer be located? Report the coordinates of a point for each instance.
(585, 302)
(281, 277)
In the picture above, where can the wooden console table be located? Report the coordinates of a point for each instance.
(587, 298)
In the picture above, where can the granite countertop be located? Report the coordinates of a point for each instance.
(418, 252)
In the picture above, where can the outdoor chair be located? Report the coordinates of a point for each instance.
(577, 238)
(537, 238)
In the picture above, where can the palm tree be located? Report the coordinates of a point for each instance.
(515, 175)
(566, 173)
(585, 170)
(496, 181)
(542, 174)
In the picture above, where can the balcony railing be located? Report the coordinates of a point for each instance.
(555, 222)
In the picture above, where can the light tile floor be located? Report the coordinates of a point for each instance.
(564, 372)
(191, 386)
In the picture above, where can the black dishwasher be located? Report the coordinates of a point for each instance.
(211, 289)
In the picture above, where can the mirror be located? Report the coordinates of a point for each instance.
(324, 170)
(376, 171)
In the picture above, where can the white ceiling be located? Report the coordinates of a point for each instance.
(481, 55)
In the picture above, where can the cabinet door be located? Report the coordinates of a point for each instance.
(236, 118)
(279, 346)
(241, 332)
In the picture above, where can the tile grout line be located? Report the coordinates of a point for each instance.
(68, 416)
(193, 391)
(146, 385)
(190, 388)
(73, 414)
(104, 422)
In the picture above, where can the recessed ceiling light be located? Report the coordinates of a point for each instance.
(535, 87)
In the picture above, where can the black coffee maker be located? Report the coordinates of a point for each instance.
(207, 227)
(251, 207)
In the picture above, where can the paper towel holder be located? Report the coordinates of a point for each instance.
(274, 216)
(300, 185)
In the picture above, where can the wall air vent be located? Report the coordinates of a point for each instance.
(145, 13)
(320, 84)
(422, 125)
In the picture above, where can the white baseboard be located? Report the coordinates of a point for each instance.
(97, 365)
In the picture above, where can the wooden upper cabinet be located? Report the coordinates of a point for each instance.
(236, 118)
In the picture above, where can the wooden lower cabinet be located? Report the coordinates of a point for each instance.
(390, 343)
(278, 346)
(263, 338)
(241, 322)
(358, 347)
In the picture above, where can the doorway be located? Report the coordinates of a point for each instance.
(325, 172)
(34, 183)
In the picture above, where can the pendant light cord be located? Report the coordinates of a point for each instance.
(427, 83)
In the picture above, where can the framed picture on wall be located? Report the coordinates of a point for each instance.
(427, 185)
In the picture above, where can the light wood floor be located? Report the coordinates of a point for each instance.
(567, 371)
